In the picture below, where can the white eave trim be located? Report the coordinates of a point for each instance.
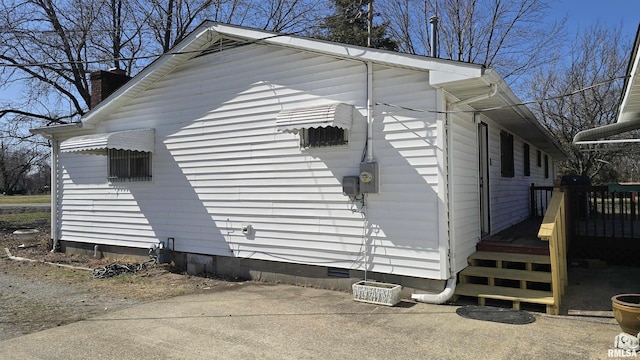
(293, 120)
(134, 140)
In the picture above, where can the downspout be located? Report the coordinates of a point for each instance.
(369, 65)
(55, 146)
(450, 286)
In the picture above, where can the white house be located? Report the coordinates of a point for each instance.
(236, 148)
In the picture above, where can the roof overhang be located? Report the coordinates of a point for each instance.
(490, 96)
(293, 120)
(628, 112)
(134, 140)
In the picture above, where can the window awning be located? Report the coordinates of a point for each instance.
(338, 115)
(134, 140)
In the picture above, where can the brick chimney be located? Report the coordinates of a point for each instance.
(105, 83)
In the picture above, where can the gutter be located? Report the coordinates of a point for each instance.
(49, 131)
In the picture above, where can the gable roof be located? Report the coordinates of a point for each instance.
(629, 110)
(461, 80)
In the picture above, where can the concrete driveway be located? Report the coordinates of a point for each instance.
(262, 321)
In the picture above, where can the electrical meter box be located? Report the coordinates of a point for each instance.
(369, 177)
(350, 185)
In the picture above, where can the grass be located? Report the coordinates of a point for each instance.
(25, 199)
(22, 220)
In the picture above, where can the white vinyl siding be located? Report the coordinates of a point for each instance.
(510, 195)
(219, 163)
(465, 197)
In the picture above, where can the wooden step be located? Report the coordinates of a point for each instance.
(505, 293)
(511, 257)
(508, 248)
(510, 274)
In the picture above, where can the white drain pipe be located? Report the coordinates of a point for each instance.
(440, 298)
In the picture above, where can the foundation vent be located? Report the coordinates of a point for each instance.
(337, 273)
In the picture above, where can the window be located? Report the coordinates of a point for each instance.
(323, 137)
(128, 165)
(546, 166)
(526, 160)
(539, 155)
(506, 154)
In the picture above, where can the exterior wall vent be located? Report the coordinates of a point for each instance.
(338, 273)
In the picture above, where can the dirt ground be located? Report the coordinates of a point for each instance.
(35, 295)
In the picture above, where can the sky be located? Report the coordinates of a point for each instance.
(584, 13)
(581, 14)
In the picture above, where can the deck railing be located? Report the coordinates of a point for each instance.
(540, 196)
(603, 223)
(553, 230)
(605, 211)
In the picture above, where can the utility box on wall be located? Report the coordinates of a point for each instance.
(350, 186)
(369, 177)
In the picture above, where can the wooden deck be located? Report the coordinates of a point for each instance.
(521, 238)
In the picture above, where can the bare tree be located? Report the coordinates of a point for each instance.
(49, 47)
(120, 41)
(288, 16)
(583, 91)
(510, 36)
(16, 161)
(406, 25)
(171, 20)
(45, 43)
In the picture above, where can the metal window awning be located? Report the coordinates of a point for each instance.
(134, 140)
(338, 115)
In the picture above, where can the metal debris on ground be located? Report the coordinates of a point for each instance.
(116, 268)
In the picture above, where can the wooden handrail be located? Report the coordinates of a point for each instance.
(553, 230)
